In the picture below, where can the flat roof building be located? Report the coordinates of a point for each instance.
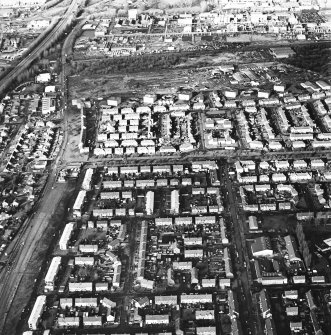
(166, 300)
(86, 302)
(156, 319)
(77, 207)
(80, 287)
(69, 321)
(36, 312)
(51, 273)
(65, 237)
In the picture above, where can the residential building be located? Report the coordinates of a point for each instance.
(51, 273)
(65, 237)
(156, 319)
(36, 312)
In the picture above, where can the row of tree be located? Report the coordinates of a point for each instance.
(315, 57)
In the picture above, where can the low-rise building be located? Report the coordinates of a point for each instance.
(156, 319)
(51, 273)
(36, 312)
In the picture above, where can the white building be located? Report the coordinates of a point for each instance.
(156, 319)
(80, 287)
(149, 202)
(196, 298)
(66, 302)
(84, 261)
(51, 273)
(86, 302)
(206, 330)
(43, 78)
(166, 300)
(88, 248)
(205, 314)
(174, 202)
(70, 321)
(77, 207)
(193, 253)
(65, 237)
(36, 312)
(182, 266)
(86, 185)
(92, 321)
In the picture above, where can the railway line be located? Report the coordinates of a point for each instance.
(53, 35)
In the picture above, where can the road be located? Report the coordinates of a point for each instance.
(238, 235)
(43, 45)
(29, 235)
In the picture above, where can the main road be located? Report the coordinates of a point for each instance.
(24, 244)
(43, 45)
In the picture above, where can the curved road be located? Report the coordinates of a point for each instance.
(32, 230)
(58, 29)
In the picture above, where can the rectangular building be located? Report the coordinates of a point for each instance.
(36, 312)
(51, 273)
